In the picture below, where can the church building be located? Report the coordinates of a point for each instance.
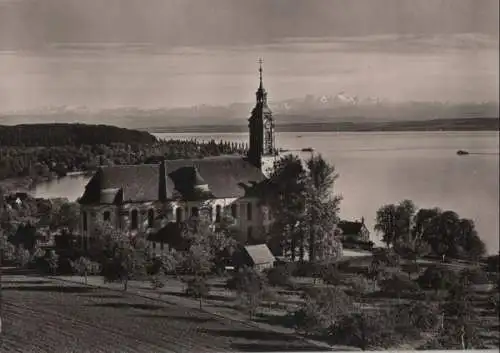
(151, 197)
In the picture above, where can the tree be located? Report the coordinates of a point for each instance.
(322, 309)
(458, 309)
(22, 256)
(124, 255)
(302, 205)
(321, 208)
(67, 216)
(395, 221)
(284, 192)
(198, 287)
(251, 288)
(364, 329)
(8, 250)
(83, 266)
(452, 236)
(52, 259)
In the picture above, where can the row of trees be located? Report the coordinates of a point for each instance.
(418, 232)
(48, 160)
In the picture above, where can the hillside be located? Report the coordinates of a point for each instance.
(70, 135)
(462, 124)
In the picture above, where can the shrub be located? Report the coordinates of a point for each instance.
(279, 276)
(359, 285)
(198, 287)
(421, 315)
(474, 276)
(321, 309)
(331, 275)
(251, 287)
(398, 284)
(22, 256)
(437, 278)
(365, 330)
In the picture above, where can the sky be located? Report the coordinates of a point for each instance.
(167, 53)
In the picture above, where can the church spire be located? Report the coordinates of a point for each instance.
(261, 92)
(261, 126)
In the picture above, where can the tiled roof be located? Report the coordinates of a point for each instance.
(225, 177)
(350, 228)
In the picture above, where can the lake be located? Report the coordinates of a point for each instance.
(378, 168)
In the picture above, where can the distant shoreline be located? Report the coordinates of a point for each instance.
(462, 124)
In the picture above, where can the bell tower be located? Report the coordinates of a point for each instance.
(261, 127)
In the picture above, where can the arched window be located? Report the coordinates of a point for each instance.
(134, 215)
(218, 209)
(84, 220)
(151, 218)
(106, 216)
(195, 212)
(178, 214)
(234, 210)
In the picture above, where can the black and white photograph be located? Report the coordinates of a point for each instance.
(249, 175)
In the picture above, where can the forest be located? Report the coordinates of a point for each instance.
(31, 135)
(51, 150)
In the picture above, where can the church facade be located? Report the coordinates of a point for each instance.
(151, 197)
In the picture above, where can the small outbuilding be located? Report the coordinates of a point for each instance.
(258, 257)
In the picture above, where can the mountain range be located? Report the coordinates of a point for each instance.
(310, 109)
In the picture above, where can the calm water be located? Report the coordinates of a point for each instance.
(379, 168)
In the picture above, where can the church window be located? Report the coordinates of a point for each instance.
(234, 210)
(85, 220)
(106, 216)
(134, 222)
(151, 218)
(249, 211)
(218, 210)
(178, 214)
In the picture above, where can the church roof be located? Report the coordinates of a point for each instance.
(225, 177)
(350, 228)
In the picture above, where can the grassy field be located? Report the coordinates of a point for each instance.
(43, 315)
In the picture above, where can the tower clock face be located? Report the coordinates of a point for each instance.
(267, 124)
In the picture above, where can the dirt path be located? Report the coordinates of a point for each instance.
(41, 315)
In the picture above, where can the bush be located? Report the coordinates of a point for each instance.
(251, 287)
(198, 287)
(321, 309)
(365, 330)
(492, 263)
(331, 275)
(421, 315)
(22, 257)
(437, 278)
(474, 276)
(279, 276)
(398, 284)
(359, 285)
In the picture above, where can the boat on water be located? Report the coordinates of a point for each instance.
(307, 149)
(462, 152)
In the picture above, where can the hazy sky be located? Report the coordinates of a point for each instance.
(105, 53)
